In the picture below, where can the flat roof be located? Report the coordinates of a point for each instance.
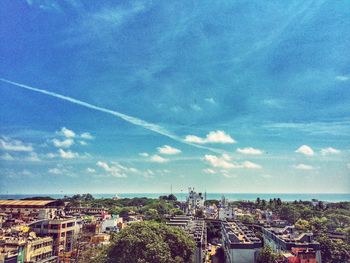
(26, 202)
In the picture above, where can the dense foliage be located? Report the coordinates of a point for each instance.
(149, 242)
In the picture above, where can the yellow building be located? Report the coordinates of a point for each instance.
(39, 249)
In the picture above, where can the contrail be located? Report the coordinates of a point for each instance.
(149, 126)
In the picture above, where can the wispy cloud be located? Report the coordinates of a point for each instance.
(66, 132)
(329, 150)
(158, 159)
(8, 144)
(86, 136)
(249, 151)
(342, 78)
(224, 161)
(306, 150)
(62, 144)
(304, 167)
(168, 150)
(212, 137)
(112, 170)
(218, 136)
(7, 157)
(67, 154)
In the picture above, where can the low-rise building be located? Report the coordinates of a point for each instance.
(39, 209)
(285, 239)
(239, 243)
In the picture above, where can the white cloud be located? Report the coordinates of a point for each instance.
(63, 144)
(67, 154)
(212, 137)
(342, 78)
(329, 150)
(249, 151)
(55, 171)
(66, 132)
(209, 171)
(148, 174)
(304, 167)
(306, 150)
(51, 155)
(210, 100)
(158, 159)
(14, 145)
(166, 149)
(90, 170)
(266, 176)
(111, 169)
(144, 154)
(195, 107)
(7, 157)
(250, 165)
(33, 157)
(225, 163)
(82, 143)
(227, 174)
(87, 136)
(218, 162)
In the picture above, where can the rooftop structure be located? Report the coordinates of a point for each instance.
(287, 238)
(194, 201)
(240, 243)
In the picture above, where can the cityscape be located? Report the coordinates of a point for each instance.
(142, 131)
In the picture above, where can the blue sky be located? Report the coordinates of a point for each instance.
(135, 96)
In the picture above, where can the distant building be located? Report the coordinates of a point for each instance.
(43, 209)
(196, 229)
(239, 243)
(194, 201)
(227, 212)
(288, 238)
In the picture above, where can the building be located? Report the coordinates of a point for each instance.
(196, 229)
(194, 201)
(39, 249)
(227, 212)
(239, 243)
(288, 238)
(300, 255)
(112, 224)
(40, 209)
(64, 232)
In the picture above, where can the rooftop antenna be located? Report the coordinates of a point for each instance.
(171, 189)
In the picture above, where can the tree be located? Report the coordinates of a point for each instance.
(266, 255)
(303, 225)
(150, 242)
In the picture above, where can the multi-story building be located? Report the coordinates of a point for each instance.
(196, 229)
(39, 249)
(227, 212)
(240, 244)
(194, 201)
(285, 239)
(63, 231)
(40, 209)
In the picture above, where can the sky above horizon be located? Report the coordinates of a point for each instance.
(136, 96)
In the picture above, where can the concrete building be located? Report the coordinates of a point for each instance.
(194, 201)
(285, 239)
(196, 229)
(239, 243)
(63, 231)
(42, 209)
(111, 224)
(39, 249)
(227, 212)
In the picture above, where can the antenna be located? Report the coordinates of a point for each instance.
(171, 189)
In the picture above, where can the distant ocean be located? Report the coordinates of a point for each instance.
(217, 196)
